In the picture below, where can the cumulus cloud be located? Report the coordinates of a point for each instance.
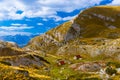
(15, 29)
(115, 2)
(8, 9)
(40, 8)
(68, 5)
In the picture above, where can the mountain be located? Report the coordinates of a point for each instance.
(21, 40)
(92, 27)
(84, 48)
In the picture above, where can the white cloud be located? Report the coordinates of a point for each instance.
(68, 18)
(40, 8)
(17, 24)
(13, 33)
(9, 8)
(115, 2)
(58, 18)
(68, 5)
(13, 28)
(39, 24)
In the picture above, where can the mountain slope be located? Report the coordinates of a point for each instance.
(97, 22)
(100, 20)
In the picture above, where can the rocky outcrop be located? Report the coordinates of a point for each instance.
(73, 32)
(10, 49)
(88, 67)
(26, 60)
(110, 47)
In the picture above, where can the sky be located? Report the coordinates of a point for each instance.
(31, 17)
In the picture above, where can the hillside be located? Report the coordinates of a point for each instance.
(100, 24)
(15, 63)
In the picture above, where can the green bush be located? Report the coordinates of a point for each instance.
(116, 64)
(110, 71)
(6, 63)
(92, 79)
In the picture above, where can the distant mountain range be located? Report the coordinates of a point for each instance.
(21, 40)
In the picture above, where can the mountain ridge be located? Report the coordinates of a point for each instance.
(95, 22)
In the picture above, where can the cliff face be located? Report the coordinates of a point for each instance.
(90, 32)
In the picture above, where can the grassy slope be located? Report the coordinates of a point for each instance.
(25, 66)
(94, 26)
(17, 73)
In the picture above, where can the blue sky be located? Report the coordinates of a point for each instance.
(28, 17)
